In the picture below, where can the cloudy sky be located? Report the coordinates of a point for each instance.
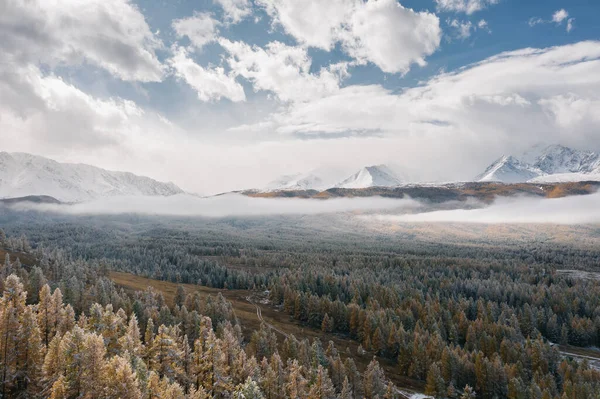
(216, 95)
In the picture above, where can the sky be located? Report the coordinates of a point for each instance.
(220, 95)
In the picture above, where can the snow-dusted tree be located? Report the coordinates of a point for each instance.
(119, 380)
(322, 387)
(59, 389)
(295, 386)
(30, 354)
(131, 342)
(93, 363)
(2, 238)
(374, 381)
(53, 362)
(46, 317)
(165, 354)
(346, 392)
(12, 307)
(248, 390)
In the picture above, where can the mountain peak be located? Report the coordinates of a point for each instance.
(371, 176)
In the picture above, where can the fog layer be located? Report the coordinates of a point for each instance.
(224, 206)
(584, 209)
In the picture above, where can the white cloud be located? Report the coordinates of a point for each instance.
(45, 112)
(210, 84)
(463, 28)
(313, 23)
(200, 29)
(379, 31)
(465, 6)
(235, 10)
(111, 34)
(533, 21)
(283, 70)
(391, 36)
(584, 209)
(559, 16)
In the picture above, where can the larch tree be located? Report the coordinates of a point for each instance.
(31, 354)
(165, 354)
(322, 387)
(119, 380)
(295, 386)
(12, 307)
(374, 381)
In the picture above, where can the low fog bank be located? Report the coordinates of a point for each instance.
(584, 209)
(223, 206)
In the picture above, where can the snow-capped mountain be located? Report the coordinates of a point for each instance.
(559, 159)
(544, 164)
(296, 182)
(25, 174)
(371, 176)
(509, 169)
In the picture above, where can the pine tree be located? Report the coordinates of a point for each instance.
(2, 238)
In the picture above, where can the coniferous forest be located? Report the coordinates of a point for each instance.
(459, 319)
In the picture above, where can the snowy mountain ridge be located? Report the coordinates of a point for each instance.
(24, 174)
(544, 164)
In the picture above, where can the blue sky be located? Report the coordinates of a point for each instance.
(227, 94)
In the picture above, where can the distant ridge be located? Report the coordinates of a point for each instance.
(554, 163)
(23, 175)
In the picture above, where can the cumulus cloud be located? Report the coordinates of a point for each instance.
(464, 6)
(223, 206)
(111, 34)
(382, 32)
(283, 70)
(235, 10)
(200, 29)
(390, 36)
(559, 16)
(570, 210)
(211, 84)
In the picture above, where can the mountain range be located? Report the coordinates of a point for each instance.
(24, 175)
(554, 163)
